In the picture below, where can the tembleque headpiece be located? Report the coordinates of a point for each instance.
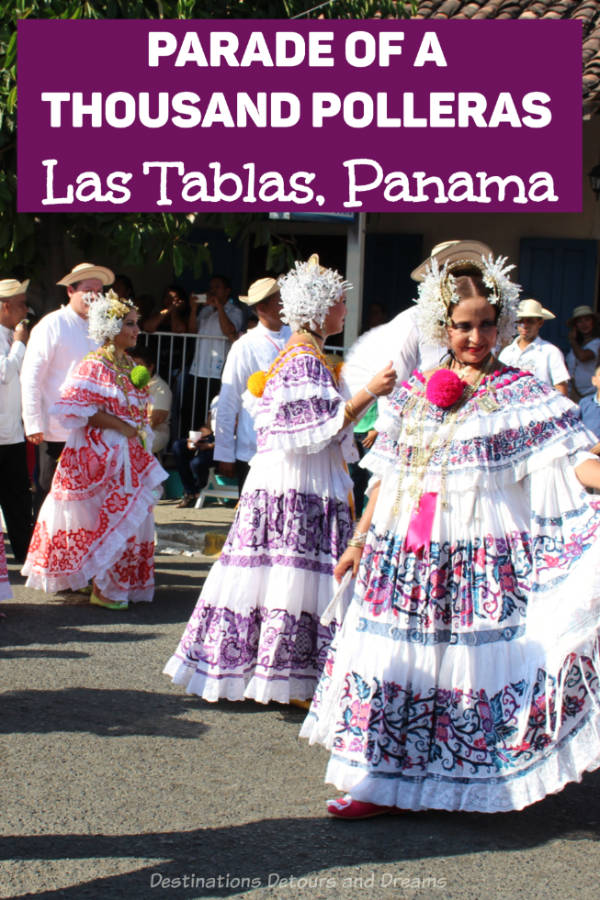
(437, 296)
(307, 292)
(105, 318)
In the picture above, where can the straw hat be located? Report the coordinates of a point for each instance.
(580, 311)
(10, 287)
(260, 290)
(533, 309)
(455, 253)
(87, 270)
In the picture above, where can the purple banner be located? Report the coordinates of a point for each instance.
(288, 116)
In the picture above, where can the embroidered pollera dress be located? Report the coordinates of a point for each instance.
(97, 521)
(465, 675)
(255, 630)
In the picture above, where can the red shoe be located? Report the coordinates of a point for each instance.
(347, 808)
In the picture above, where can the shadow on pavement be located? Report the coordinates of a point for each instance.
(55, 624)
(265, 853)
(102, 712)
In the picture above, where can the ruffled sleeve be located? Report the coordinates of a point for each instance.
(301, 409)
(531, 427)
(92, 387)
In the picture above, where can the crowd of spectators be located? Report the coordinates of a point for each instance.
(184, 343)
(200, 348)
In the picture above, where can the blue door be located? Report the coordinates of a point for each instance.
(561, 274)
(389, 260)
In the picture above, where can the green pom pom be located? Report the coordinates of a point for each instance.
(140, 376)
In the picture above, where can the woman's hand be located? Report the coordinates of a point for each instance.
(383, 383)
(350, 558)
(588, 473)
(369, 439)
(103, 419)
(128, 430)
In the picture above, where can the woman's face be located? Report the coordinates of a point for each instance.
(128, 335)
(584, 324)
(334, 320)
(472, 332)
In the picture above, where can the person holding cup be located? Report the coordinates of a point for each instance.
(193, 459)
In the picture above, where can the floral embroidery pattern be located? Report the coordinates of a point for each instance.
(87, 526)
(84, 470)
(135, 567)
(303, 530)
(270, 642)
(459, 733)
(484, 580)
(497, 450)
(292, 412)
(92, 385)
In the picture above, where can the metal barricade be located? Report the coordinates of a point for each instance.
(174, 354)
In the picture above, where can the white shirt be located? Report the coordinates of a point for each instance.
(254, 351)
(11, 360)
(58, 342)
(412, 351)
(210, 355)
(400, 342)
(541, 358)
(582, 372)
(161, 397)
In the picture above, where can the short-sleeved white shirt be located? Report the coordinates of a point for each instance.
(161, 397)
(583, 372)
(212, 348)
(541, 358)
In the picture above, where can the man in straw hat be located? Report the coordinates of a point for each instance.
(254, 351)
(15, 497)
(58, 342)
(400, 340)
(460, 256)
(235, 440)
(529, 353)
(584, 340)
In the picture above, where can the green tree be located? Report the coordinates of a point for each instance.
(37, 243)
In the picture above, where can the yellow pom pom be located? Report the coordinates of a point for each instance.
(256, 383)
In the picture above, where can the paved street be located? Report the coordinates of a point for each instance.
(117, 784)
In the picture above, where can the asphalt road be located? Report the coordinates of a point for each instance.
(116, 784)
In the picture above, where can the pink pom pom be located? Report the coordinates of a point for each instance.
(444, 388)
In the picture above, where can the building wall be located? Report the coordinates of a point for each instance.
(503, 231)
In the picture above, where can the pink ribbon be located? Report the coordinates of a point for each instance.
(418, 535)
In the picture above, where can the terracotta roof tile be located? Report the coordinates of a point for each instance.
(586, 11)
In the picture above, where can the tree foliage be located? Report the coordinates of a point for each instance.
(26, 240)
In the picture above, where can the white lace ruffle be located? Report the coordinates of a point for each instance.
(487, 450)
(83, 393)
(299, 414)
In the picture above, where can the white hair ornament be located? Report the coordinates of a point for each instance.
(106, 314)
(437, 295)
(307, 292)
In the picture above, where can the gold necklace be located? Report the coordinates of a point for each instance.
(120, 367)
(419, 456)
(461, 372)
(313, 339)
